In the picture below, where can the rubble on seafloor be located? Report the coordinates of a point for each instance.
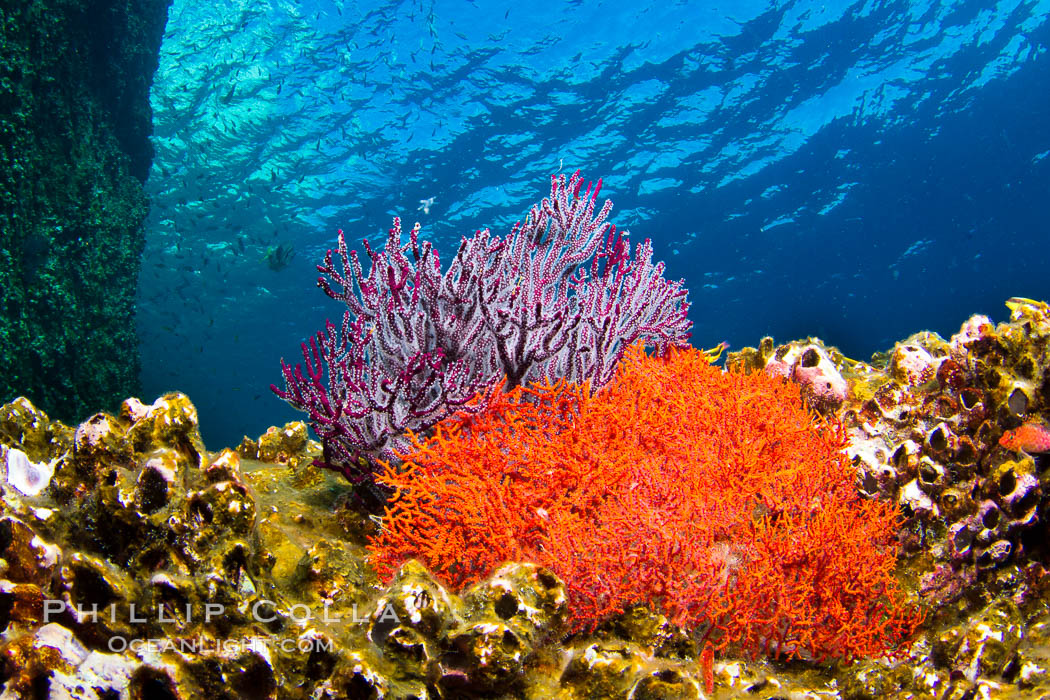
(135, 564)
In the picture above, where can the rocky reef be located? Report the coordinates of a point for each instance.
(134, 563)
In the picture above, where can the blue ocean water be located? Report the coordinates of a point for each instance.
(856, 171)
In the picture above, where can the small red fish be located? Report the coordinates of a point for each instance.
(1030, 437)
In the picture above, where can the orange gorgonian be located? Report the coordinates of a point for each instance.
(714, 497)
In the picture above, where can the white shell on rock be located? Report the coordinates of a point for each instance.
(29, 478)
(96, 675)
(58, 637)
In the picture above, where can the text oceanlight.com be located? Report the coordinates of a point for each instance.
(200, 645)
